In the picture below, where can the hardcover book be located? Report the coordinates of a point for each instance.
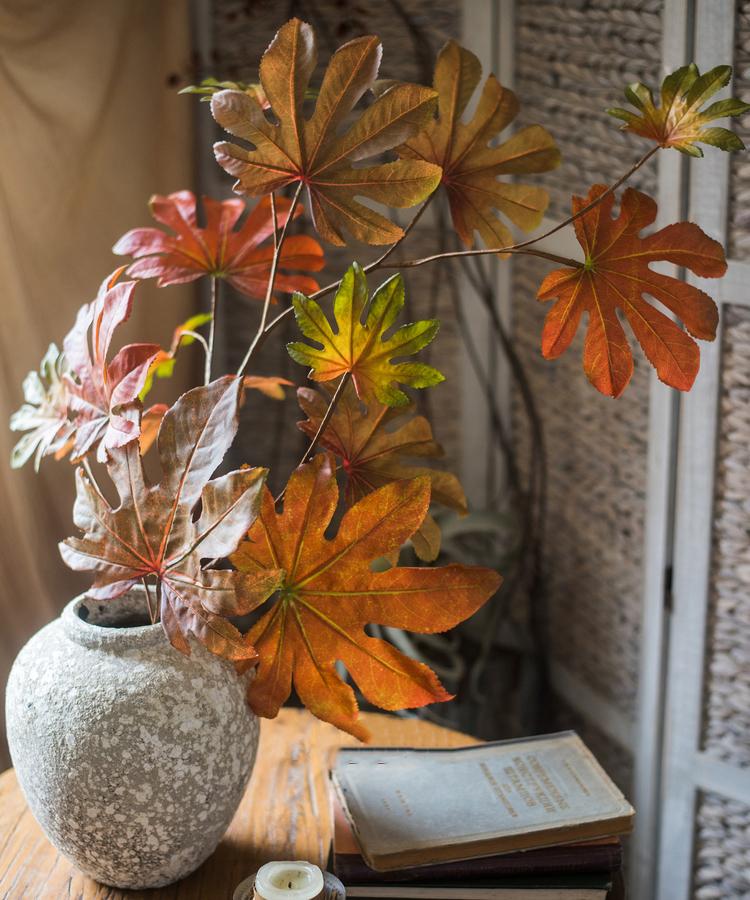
(601, 856)
(416, 807)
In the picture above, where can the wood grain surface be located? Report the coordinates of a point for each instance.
(285, 814)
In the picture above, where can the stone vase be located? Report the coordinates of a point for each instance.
(133, 757)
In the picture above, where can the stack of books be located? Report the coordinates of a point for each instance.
(536, 819)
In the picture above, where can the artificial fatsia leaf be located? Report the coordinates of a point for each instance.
(470, 166)
(361, 348)
(615, 275)
(241, 255)
(377, 445)
(329, 593)
(98, 389)
(680, 121)
(312, 150)
(44, 415)
(155, 530)
(270, 385)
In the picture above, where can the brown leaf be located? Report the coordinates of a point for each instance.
(155, 532)
(377, 445)
(312, 150)
(470, 166)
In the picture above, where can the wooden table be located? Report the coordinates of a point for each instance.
(284, 815)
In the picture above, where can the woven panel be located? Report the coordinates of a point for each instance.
(722, 850)
(241, 32)
(739, 184)
(574, 57)
(596, 460)
(727, 701)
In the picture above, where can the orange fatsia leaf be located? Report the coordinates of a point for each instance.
(471, 167)
(241, 255)
(615, 275)
(312, 150)
(377, 445)
(329, 593)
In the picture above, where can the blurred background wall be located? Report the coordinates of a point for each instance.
(90, 127)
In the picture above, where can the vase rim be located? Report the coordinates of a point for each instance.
(89, 633)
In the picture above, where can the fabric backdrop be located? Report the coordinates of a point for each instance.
(89, 128)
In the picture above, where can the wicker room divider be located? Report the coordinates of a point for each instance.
(647, 550)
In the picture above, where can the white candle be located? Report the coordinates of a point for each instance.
(288, 881)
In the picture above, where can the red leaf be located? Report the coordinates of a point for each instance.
(220, 249)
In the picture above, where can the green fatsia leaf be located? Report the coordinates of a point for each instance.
(679, 121)
(359, 345)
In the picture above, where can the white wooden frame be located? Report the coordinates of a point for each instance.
(688, 770)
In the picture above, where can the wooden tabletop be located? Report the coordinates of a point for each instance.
(284, 814)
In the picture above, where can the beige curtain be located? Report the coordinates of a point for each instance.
(89, 129)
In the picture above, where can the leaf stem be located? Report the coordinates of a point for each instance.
(278, 244)
(90, 474)
(484, 251)
(338, 393)
(151, 613)
(211, 332)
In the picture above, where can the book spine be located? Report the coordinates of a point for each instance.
(352, 869)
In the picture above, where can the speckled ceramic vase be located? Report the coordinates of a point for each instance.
(132, 756)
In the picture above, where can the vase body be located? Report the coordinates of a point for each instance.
(132, 756)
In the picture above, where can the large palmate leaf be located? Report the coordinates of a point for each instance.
(679, 121)
(361, 349)
(312, 150)
(329, 593)
(44, 415)
(99, 389)
(470, 166)
(155, 531)
(241, 256)
(377, 445)
(615, 275)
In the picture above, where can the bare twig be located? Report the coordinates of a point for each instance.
(278, 244)
(323, 423)
(209, 348)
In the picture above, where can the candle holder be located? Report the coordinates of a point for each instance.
(290, 880)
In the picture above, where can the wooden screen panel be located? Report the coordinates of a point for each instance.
(726, 715)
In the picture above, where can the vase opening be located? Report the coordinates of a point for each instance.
(118, 622)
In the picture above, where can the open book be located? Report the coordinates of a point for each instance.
(417, 807)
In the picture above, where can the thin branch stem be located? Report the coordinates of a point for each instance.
(209, 348)
(484, 251)
(524, 246)
(89, 472)
(338, 393)
(151, 613)
(278, 244)
(376, 264)
(197, 337)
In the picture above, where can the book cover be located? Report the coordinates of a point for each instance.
(604, 855)
(415, 807)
